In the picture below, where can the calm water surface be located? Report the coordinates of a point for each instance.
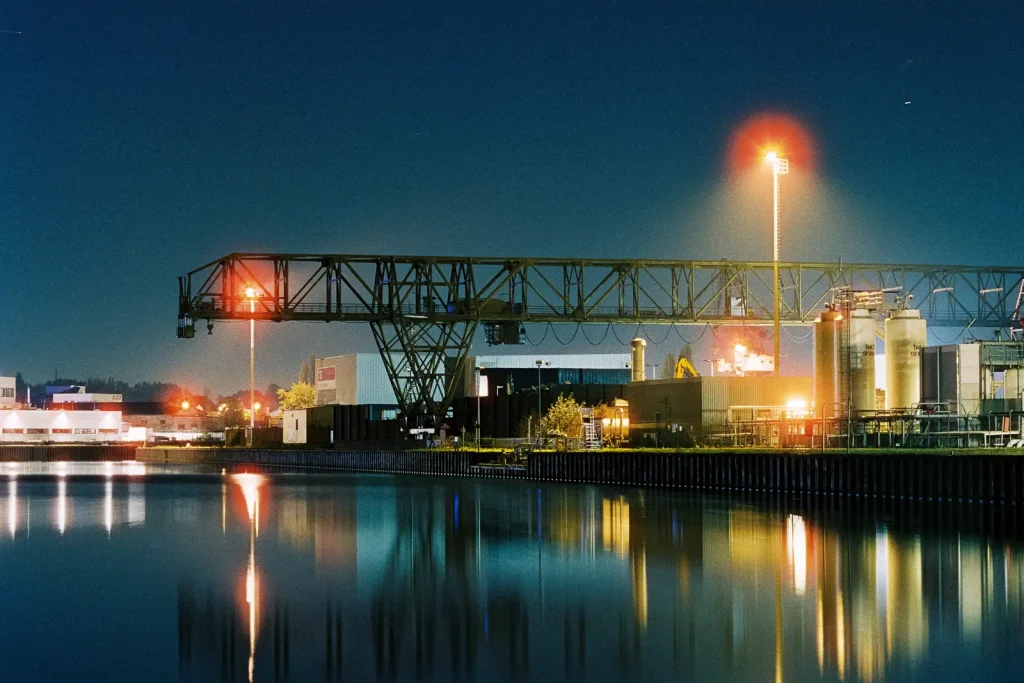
(110, 573)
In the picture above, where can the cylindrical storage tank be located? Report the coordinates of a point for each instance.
(905, 335)
(637, 346)
(825, 363)
(862, 361)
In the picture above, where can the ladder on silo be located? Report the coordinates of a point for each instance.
(592, 437)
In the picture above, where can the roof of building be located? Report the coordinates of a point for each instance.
(581, 361)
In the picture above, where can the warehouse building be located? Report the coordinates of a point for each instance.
(695, 410)
(975, 378)
(60, 426)
(7, 392)
(356, 379)
(513, 373)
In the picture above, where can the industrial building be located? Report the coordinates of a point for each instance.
(695, 410)
(7, 392)
(356, 379)
(511, 373)
(980, 377)
(61, 426)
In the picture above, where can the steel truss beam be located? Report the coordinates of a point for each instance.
(424, 311)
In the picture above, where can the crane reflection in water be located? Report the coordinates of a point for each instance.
(476, 581)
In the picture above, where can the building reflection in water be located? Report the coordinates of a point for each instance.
(670, 587)
(12, 505)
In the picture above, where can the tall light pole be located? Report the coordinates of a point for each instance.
(479, 368)
(540, 364)
(779, 167)
(251, 294)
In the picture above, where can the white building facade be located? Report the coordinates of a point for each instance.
(7, 392)
(60, 426)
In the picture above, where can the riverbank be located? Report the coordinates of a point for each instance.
(988, 477)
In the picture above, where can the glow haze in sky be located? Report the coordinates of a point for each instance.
(141, 140)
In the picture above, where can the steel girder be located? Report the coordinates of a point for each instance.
(425, 310)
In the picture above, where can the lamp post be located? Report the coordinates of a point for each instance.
(779, 167)
(251, 294)
(540, 364)
(479, 368)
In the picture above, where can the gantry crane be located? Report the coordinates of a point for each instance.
(424, 311)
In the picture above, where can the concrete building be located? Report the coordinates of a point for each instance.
(353, 379)
(7, 392)
(293, 424)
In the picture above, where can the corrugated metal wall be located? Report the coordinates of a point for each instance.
(372, 383)
(718, 393)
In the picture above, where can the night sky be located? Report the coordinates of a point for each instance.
(143, 139)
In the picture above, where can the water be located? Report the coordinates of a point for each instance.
(145, 574)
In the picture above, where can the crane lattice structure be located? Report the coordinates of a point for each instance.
(424, 311)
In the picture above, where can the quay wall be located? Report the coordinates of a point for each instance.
(66, 452)
(920, 476)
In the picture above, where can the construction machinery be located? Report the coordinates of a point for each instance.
(684, 368)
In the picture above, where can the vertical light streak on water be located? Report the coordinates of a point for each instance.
(62, 505)
(12, 505)
(108, 505)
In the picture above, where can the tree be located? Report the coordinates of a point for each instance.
(301, 395)
(234, 414)
(307, 371)
(564, 418)
(669, 365)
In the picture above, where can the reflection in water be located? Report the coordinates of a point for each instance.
(434, 611)
(108, 506)
(250, 485)
(12, 505)
(366, 578)
(62, 505)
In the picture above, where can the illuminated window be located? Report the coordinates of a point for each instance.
(9, 430)
(8, 392)
(109, 431)
(60, 431)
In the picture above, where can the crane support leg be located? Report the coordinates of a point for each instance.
(424, 361)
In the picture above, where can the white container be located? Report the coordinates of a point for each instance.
(905, 336)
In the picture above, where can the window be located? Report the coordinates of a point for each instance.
(37, 430)
(9, 430)
(79, 430)
(7, 392)
(109, 431)
(60, 431)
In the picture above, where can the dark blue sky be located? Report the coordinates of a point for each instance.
(142, 139)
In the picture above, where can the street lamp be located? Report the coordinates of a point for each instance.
(479, 368)
(251, 294)
(780, 166)
(540, 364)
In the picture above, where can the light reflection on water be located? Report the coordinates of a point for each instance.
(263, 577)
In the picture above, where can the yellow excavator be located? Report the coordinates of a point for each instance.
(684, 368)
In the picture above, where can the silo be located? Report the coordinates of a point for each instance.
(637, 347)
(862, 361)
(825, 362)
(905, 336)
